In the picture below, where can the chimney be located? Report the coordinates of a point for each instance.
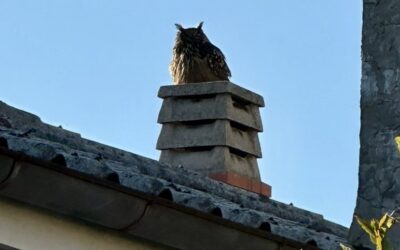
(212, 128)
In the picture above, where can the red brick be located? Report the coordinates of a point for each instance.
(243, 182)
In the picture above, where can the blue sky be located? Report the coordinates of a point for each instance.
(95, 66)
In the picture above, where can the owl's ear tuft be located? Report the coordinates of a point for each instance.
(179, 27)
(200, 25)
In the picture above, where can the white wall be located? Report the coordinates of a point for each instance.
(27, 228)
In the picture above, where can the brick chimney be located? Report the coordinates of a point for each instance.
(212, 128)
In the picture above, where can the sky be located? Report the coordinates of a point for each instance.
(95, 67)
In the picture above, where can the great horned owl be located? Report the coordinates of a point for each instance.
(196, 59)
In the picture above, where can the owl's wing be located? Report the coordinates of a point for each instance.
(216, 61)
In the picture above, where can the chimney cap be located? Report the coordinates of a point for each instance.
(210, 88)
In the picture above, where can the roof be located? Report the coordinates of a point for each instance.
(25, 138)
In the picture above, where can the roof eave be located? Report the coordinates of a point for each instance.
(61, 190)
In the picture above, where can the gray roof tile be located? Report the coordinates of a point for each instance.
(26, 133)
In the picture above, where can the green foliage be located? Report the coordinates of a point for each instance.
(377, 230)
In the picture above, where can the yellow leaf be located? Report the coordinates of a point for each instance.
(374, 226)
(344, 247)
(397, 139)
(382, 221)
(366, 227)
(388, 223)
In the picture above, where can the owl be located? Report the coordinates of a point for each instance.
(196, 59)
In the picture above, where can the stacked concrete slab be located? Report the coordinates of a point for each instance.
(213, 128)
